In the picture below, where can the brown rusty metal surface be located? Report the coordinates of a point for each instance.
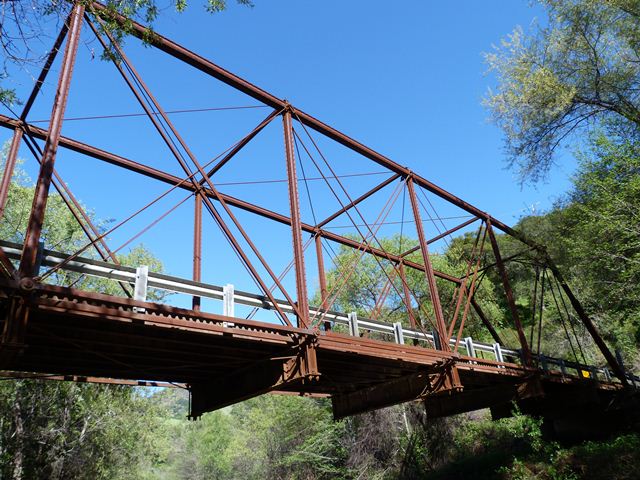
(79, 335)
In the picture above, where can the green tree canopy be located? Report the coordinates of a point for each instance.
(581, 70)
(56, 430)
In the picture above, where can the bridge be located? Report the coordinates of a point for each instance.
(362, 362)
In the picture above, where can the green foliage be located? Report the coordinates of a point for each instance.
(64, 430)
(62, 232)
(274, 436)
(593, 235)
(580, 70)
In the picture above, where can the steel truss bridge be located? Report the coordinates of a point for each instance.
(63, 333)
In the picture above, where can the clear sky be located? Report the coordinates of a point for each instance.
(406, 79)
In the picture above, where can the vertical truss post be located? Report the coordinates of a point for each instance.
(197, 247)
(428, 268)
(526, 352)
(36, 219)
(296, 224)
(9, 167)
(322, 277)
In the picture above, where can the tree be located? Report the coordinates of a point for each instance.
(26, 29)
(60, 430)
(581, 71)
(594, 234)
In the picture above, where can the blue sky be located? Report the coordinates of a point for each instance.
(405, 79)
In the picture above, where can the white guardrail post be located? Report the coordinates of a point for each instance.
(353, 324)
(468, 344)
(563, 367)
(398, 333)
(142, 280)
(497, 351)
(228, 303)
(140, 289)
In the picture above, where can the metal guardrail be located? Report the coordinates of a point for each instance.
(141, 279)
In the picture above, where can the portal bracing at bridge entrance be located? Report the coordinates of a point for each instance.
(311, 346)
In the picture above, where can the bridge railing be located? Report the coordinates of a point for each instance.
(141, 279)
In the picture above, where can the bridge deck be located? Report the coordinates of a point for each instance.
(225, 360)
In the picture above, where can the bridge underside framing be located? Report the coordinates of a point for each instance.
(62, 333)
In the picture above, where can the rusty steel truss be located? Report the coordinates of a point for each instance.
(77, 335)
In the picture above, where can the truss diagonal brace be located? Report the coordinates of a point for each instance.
(173, 180)
(208, 67)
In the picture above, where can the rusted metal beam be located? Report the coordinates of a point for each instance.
(358, 200)
(526, 352)
(53, 53)
(586, 320)
(240, 145)
(407, 297)
(485, 321)
(197, 247)
(6, 264)
(76, 209)
(404, 389)
(206, 66)
(322, 278)
(9, 167)
(41, 193)
(198, 188)
(383, 254)
(429, 272)
(296, 224)
(269, 374)
(169, 179)
(442, 235)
